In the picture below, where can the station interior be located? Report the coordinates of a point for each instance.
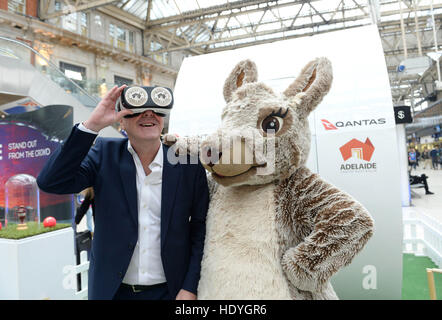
(59, 58)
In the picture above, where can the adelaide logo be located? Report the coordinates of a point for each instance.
(357, 156)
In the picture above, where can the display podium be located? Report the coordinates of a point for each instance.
(32, 268)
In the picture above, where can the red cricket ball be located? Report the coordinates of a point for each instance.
(49, 222)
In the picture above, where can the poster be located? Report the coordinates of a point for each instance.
(26, 142)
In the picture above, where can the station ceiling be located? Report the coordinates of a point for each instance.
(206, 26)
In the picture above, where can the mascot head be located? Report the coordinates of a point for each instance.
(264, 136)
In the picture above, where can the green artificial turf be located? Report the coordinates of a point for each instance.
(414, 278)
(11, 231)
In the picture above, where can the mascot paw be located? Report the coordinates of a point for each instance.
(305, 280)
(182, 145)
(170, 139)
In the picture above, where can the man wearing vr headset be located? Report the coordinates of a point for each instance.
(149, 213)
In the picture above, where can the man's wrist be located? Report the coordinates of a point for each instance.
(91, 127)
(84, 128)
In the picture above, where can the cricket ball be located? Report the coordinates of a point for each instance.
(49, 222)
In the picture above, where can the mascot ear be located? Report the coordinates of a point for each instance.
(244, 72)
(312, 84)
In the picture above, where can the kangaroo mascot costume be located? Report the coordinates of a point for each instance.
(274, 230)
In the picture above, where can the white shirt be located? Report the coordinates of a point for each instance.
(146, 267)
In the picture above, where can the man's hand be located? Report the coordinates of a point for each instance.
(185, 295)
(104, 113)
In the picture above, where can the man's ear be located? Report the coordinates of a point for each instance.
(312, 84)
(244, 72)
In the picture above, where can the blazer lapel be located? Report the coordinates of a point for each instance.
(128, 175)
(170, 180)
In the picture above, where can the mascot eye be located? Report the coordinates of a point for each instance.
(271, 123)
(274, 121)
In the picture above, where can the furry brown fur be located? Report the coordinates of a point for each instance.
(283, 232)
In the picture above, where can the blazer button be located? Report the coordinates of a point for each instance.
(120, 274)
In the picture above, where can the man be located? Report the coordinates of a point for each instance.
(421, 179)
(149, 213)
(412, 159)
(418, 157)
(434, 154)
(426, 158)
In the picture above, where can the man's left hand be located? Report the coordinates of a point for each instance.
(185, 295)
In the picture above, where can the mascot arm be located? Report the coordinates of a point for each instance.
(190, 146)
(183, 145)
(340, 228)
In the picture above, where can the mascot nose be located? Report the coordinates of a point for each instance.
(237, 160)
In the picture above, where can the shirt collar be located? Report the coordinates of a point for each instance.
(157, 161)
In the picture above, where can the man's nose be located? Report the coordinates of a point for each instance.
(148, 113)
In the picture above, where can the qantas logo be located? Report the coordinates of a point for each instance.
(355, 123)
(327, 125)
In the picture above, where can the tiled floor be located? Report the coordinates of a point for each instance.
(415, 285)
(429, 204)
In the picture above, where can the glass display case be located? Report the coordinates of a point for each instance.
(22, 201)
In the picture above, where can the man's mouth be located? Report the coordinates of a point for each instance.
(147, 125)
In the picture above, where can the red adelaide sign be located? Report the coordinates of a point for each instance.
(361, 150)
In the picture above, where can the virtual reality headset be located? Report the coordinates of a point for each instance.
(139, 99)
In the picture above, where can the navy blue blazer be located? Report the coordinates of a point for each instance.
(109, 168)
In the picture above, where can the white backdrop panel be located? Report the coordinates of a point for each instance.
(359, 107)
